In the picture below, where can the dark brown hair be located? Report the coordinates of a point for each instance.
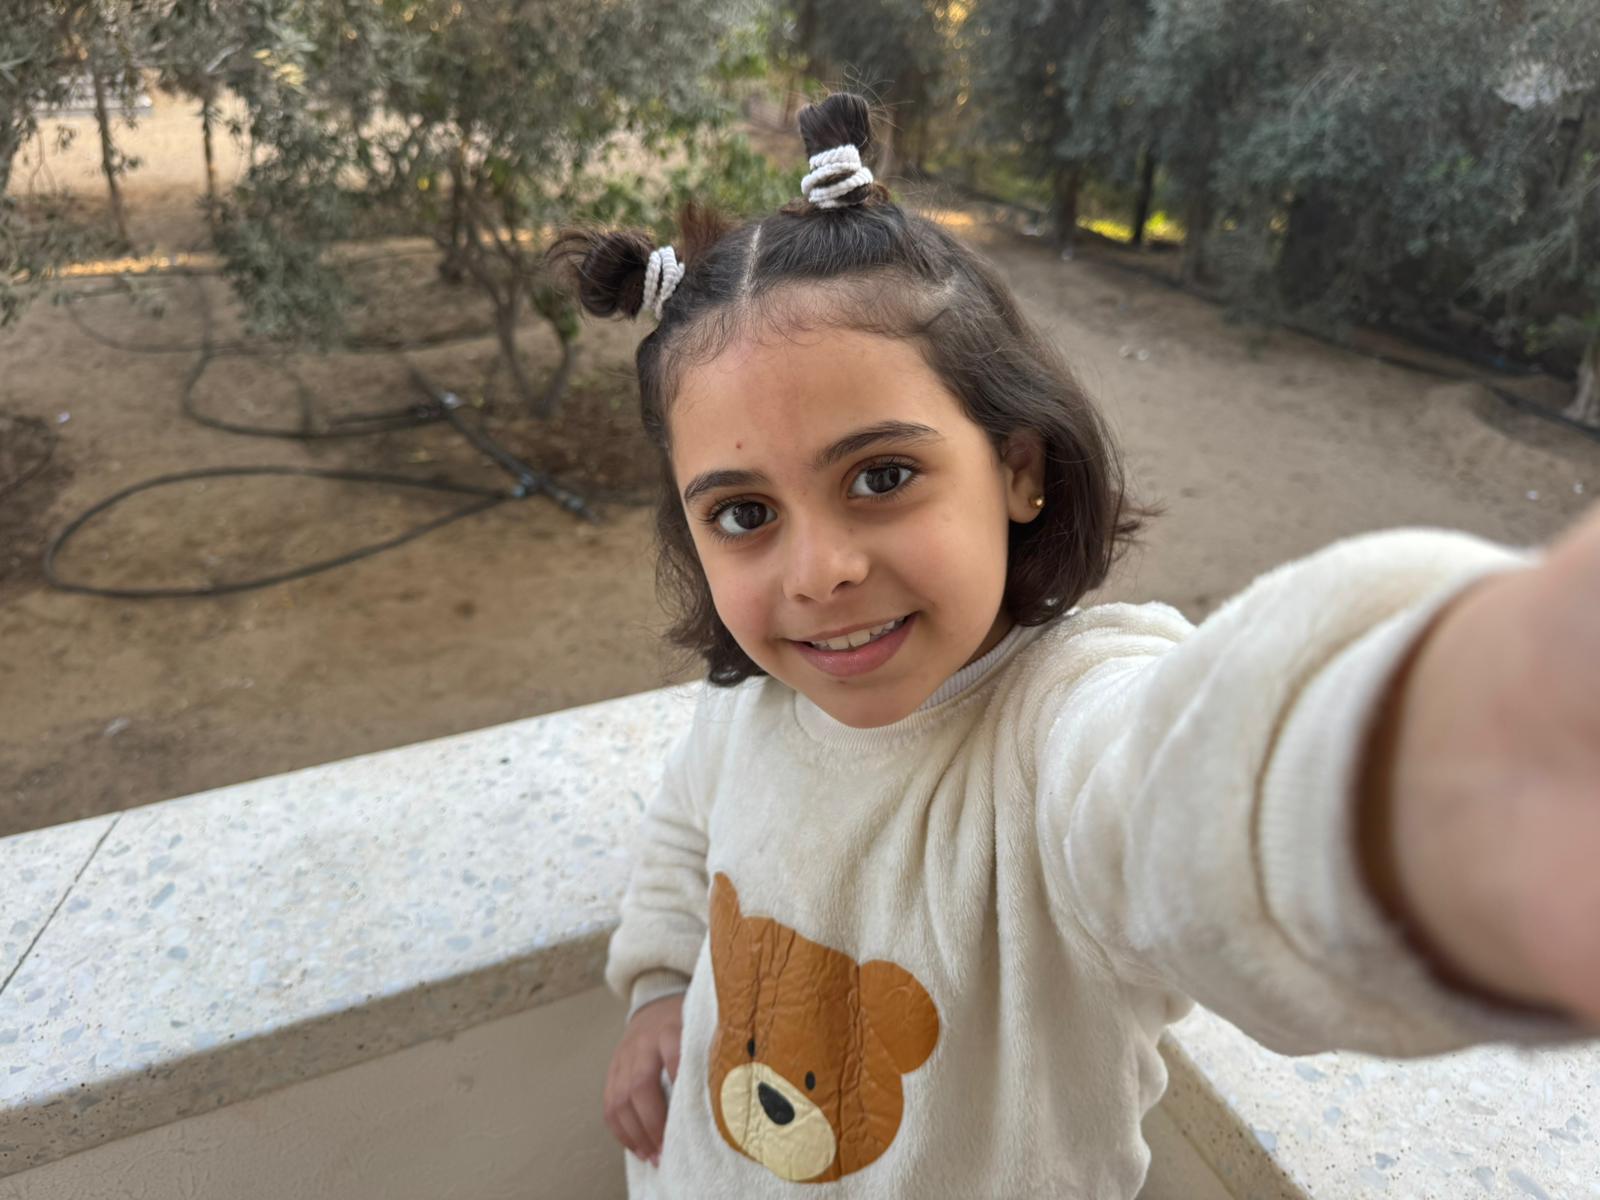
(867, 265)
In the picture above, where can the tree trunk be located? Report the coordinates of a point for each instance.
(10, 143)
(913, 110)
(1064, 206)
(1571, 133)
(1147, 191)
(207, 108)
(915, 144)
(886, 153)
(505, 329)
(793, 94)
(8, 148)
(1312, 250)
(1585, 407)
(1196, 229)
(550, 402)
(805, 38)
(108, 157)
(453, 268)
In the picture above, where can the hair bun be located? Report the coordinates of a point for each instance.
(843, 119)
(607, 268)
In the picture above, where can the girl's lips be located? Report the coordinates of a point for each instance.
(845, 663)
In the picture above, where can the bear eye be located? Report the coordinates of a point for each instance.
(811, 1081)
(750, 1047)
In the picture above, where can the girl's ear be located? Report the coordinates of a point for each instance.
(1022, 467)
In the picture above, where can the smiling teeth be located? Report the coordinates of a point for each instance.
(859, 638)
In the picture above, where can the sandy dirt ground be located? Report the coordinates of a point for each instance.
(1262, 446)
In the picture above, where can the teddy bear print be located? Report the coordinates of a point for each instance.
(810, 1045)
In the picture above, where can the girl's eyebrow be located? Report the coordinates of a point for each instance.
(850, 443)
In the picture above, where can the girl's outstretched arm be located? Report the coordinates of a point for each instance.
(1204, 802)
(1480, 826)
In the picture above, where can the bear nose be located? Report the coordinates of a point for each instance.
(776, 1107)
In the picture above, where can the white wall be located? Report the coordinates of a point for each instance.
(508, 1110)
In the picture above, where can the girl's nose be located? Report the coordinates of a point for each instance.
(821, 557)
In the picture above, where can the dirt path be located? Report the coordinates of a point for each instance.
(1262, 448)
(1267, 445)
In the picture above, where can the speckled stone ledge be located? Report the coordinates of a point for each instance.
(1494, 1122)
(172, 959)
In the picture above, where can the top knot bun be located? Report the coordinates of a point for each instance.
(843, 119)
(607, 268)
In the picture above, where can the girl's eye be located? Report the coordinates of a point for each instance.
(883, 478)
(735, 519)
(744, 516)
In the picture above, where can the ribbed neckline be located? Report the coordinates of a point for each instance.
(946, 698)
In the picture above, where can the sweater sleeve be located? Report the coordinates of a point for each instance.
(664, 909)
(1197, 794)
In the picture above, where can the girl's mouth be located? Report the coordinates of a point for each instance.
(859, 659)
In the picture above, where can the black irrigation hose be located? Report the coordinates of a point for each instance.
(529, 481)
(439, 405)
(50, 439)
(377, 422)
(354, 346)
(489, 500)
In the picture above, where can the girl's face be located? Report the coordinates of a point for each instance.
(833, 486)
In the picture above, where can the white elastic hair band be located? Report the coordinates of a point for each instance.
(829, 163)
(661, 278)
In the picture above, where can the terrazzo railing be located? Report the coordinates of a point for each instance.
(380, 978)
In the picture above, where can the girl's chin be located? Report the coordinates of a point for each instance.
(863, 717)
(859, 705)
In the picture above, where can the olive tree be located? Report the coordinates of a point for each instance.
(39, 58)
(195, 48)
(1206, 71)
(1053, 83)
(484, 126)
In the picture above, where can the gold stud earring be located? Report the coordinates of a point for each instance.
(1038, 501)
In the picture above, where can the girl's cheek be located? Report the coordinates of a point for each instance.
(738, 604)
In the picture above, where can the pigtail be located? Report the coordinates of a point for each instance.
(606, 270)
(609, 270)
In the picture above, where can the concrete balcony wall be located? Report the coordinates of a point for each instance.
(380, 979)
(507, 1110)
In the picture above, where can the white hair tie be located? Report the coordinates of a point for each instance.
(661, 278)
(828, 164)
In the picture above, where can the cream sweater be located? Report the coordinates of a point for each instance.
(933, 959)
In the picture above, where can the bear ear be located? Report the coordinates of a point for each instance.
(901, 1013)
(724, 936)
(724, 902)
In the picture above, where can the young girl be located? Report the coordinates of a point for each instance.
(941, 853)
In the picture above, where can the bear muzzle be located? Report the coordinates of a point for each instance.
(776, 1123)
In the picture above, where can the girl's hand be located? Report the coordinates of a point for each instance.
(1481, 825)
(636, 1106)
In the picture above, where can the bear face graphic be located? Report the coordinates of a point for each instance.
(810, 1045)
